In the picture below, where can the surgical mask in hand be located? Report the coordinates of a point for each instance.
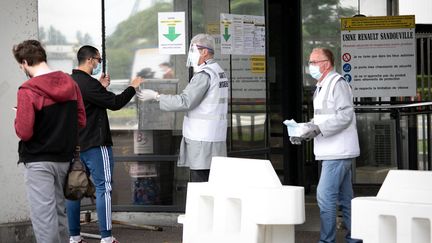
(314, 71)
(97, 69)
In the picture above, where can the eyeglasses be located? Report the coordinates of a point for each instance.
(315, 62)
(98, 58)
(204, 47)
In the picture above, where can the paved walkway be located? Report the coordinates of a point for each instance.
(305, 233)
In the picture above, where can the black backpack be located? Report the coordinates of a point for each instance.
(78, 183)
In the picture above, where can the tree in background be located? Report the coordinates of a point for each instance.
(321, 25)
(52, 36)
(248, 7)
(138, 31)
(84, 39)
(42, 34)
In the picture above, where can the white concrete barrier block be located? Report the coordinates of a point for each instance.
(283, 205)
(400, 213)
(241, 172)
(242, 205)
(407, 186)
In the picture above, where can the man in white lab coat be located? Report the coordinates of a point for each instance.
(334, 131)
(205, 100)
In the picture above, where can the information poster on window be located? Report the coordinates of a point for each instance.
(172, 38)
(242, 34)
(248, 77)
(379, 55)
(248, 73)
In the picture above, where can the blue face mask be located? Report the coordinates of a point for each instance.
(97, 69)
(314, 71)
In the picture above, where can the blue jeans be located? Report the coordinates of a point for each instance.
(335, 187)
(99, 162)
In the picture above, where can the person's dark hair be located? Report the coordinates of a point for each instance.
(86, 52)
(146, 73)
(31, 51)
(329, 54)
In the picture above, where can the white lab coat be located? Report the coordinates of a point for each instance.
(194, 152)
(334, 114)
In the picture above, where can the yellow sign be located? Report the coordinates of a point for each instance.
(213, 29)
(258, 64)
(372, 23)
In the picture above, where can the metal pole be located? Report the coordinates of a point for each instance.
(103, 37)
(429, 149)
(397, 117)
(358, 7)
(412, 142)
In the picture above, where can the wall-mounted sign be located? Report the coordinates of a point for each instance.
(248, 79)
(378, 55)
(242, 34)
(172, 37)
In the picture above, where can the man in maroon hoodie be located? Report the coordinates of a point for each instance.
(49, 111)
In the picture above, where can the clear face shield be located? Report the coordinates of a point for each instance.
(193, 56)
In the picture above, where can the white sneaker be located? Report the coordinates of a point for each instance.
(109, 240)
(76, 239)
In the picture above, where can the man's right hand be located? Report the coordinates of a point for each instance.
(147, 94)
(136, 82)
(296, 140)
(105, 80)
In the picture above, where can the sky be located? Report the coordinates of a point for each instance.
(421, 8)
(83, 15)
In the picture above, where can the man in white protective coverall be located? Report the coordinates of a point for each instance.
(205, 100)
(334, 131)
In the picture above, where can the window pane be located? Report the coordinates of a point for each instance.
(131, 50)
(64, 26)
(141, 129)
(249, 84)
(246, 129)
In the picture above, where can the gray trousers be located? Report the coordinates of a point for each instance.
(44, 184)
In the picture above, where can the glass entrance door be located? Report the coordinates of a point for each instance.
(146, 140)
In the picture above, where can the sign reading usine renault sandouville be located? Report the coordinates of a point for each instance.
(379, 55)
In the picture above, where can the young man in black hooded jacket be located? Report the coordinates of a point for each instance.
(95, 140)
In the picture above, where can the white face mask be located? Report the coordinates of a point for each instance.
(193, 57)
(97, 69)
(314, 71)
